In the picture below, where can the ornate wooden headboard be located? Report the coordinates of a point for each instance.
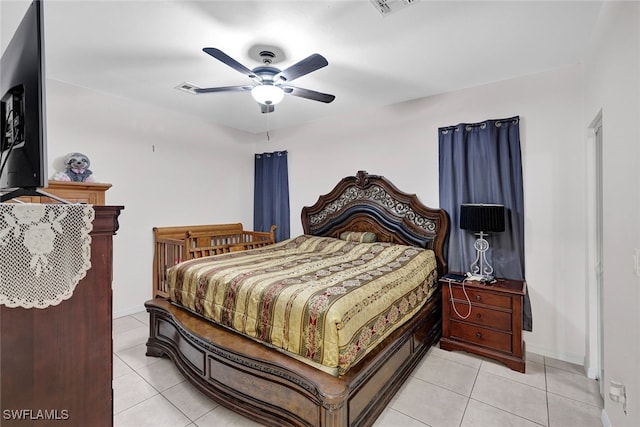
(371, 203)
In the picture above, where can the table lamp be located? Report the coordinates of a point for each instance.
(482, 219)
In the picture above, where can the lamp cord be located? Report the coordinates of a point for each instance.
(453, 304)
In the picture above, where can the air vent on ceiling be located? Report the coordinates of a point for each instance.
(187, 87)
(386, 7)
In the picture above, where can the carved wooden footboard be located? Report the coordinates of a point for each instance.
(175, 244)
(277, 390)
(272, 388)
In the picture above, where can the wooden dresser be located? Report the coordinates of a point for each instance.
(92, 193)
(56, 363)
(487, 319)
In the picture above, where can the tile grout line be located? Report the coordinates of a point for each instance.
(143, 400)
(478, 369)
(159, 392)
(520, 383)
(134, 370)
(517, 381)
(546, 389)
(466, 406)
(574, 400)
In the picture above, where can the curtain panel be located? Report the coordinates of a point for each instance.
(481, 163)
(271, 194)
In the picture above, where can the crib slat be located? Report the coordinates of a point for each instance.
(176, 244)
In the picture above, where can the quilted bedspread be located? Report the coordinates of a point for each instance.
(325, 299)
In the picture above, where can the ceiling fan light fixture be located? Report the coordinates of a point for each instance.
(267, 94)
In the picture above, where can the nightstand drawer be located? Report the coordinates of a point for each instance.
(483, 316)
(482, 336)
(481, 297)
(494, 327)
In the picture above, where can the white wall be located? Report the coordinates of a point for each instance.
(170, 169)
(401, 143)
(166, 169)
(612, 86)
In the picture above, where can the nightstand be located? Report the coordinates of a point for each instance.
(488, 322)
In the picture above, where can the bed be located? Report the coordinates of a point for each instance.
(274, 386)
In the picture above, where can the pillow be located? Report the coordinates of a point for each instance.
(359, 237)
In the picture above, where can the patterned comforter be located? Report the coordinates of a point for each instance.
(325, 299)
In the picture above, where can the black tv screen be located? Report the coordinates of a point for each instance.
(23, 147)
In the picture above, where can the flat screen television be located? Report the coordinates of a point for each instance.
(23, 136)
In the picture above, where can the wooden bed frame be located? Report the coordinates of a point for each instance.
(275, 389)
(180, 243)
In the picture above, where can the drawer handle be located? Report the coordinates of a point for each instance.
(478, 316)
(478, 298)
(478, 335)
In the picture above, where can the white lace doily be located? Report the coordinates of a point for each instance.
(45, 250)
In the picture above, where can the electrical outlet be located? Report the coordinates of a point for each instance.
(386, 7)
(187, 87)
(618, 393)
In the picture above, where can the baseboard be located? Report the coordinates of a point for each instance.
(571, 358)
(129, 311)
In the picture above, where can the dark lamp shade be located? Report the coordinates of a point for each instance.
(479, 217)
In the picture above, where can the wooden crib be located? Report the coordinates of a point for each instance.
(176, 244)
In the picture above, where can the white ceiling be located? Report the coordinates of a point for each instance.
(143, 49)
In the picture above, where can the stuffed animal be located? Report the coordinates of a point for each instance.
(77, 169)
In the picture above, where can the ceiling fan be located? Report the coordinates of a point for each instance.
(270, 84)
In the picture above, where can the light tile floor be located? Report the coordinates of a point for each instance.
(446, 389)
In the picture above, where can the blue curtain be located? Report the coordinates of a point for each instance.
(481, 163)
(271, 194)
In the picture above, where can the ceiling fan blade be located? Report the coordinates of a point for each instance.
(264, 108)
(223, 89)
(223, 57)
(299, 69)
(308, 93)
